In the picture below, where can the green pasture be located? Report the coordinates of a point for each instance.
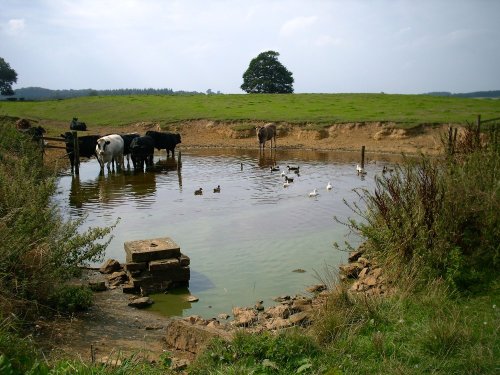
(312, 109)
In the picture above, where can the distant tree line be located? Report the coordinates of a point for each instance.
(475, 94)
(39, 93)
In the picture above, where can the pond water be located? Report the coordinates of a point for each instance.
(244, 242)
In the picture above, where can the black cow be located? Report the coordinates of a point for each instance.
(86, 146)
(166, 141)
(127, 139)
(77, 125)
(141, 152)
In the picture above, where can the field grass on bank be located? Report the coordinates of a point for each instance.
(320, 109)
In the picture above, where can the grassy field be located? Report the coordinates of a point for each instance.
(321, 109)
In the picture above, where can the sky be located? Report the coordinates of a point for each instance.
(330, 46)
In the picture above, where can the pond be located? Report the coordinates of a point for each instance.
(246, 241)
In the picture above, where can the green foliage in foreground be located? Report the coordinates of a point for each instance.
(426, 332)
(438, 218)
(319, 109)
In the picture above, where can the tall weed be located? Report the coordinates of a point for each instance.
(438, 218)
(39, 249)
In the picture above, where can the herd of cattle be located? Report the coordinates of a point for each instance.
(114, 147)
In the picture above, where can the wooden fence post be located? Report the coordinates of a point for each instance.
(362, 157)
(478, 129)
(76, 153)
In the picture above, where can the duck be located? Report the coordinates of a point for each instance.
(217, 189)
(314, 193)
(286, 184)
(283, 173)
(288, 179)
(359, 169)
(198, 192)
(329, 186)
(274, 169)
(293, 168)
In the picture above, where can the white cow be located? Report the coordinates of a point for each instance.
(108, 148)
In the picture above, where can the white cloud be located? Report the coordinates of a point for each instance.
(15, 26)
(327, 40)
(296, 25)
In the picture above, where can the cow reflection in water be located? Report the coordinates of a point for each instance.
(111, 188)
(267, 160)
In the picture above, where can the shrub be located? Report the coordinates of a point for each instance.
(39, 249)
(437, 218)
(71, 298)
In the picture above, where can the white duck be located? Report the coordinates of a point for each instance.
(314, 193)
(329, 186)
(283, 173)
(359, 169)
(286, 184)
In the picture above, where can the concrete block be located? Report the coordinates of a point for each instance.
(151, 249)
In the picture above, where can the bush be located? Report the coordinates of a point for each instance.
(39, 250)
(437, 218)
(71, 298)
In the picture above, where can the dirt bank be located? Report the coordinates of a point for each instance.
(377, 137)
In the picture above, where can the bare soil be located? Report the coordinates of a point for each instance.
(113, 329)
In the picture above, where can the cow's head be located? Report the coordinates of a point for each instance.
(102, 143)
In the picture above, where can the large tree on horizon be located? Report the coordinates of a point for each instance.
(266, 75)
(8, 76)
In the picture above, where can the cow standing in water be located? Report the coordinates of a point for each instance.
(266, 133)
(108, 148)
(166, 141)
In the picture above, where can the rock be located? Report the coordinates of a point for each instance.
(184, 260)
(278, 323)
(110, 362)
(110, 266)
(182, 335)
(376, 272)
(223, 316)
(354, 255)
(149, 250)
(117, 278)
(134, 267)
(302, 304)
(316, 288)
(351, 270)
(282, 299)
(244, 317)
(141, 302)
(278, 311)
(300, 318)
(192, 299)
(299, 270)
(363, 273)
(364, 262)
(195, 319)
(97, 286)
(370, 280)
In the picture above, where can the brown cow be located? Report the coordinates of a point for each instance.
(266, 133)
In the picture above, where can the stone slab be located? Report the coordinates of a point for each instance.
(164, 264)
(136, 266)
(151, 249)
(173, 274)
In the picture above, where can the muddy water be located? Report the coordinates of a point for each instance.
(244, 242)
